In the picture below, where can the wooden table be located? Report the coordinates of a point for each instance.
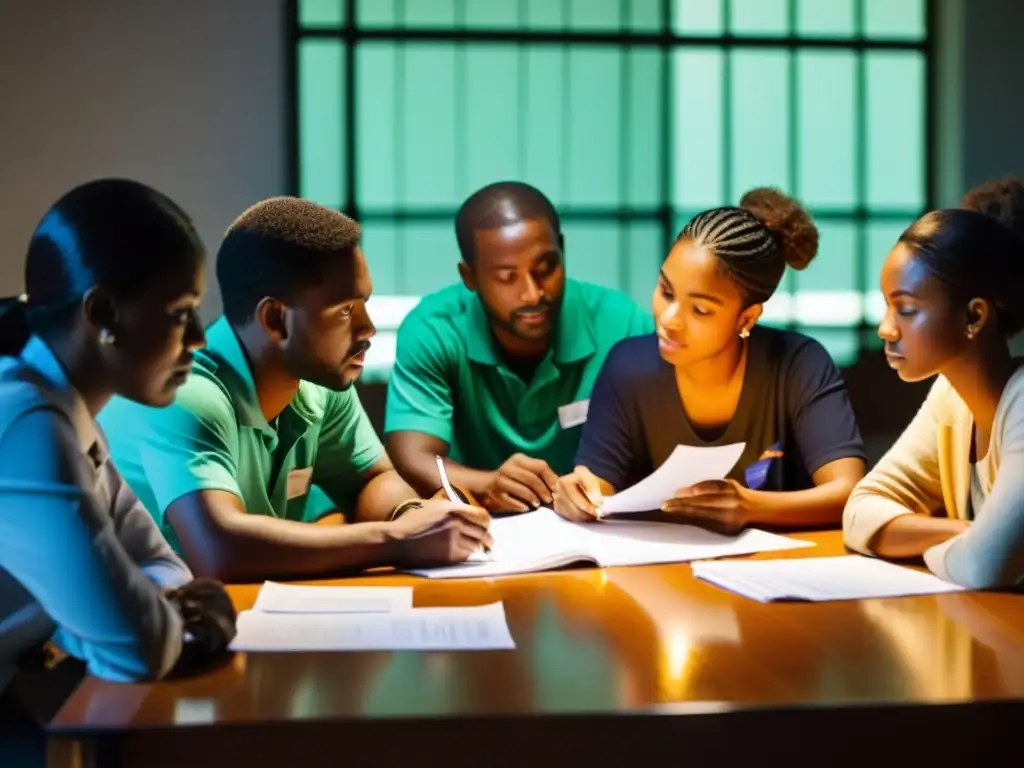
(611, 666)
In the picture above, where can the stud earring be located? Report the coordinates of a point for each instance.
(106, 337)
(744, 333)
(970, 333)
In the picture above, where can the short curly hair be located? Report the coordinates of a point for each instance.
(278, 247)
(1002, 199)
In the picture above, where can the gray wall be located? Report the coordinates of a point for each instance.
(185, 95)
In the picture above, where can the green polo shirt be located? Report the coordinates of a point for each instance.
(449, 380)
(214, 437)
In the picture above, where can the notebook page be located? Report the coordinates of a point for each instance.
(435, 629)
(298, 598)
(686, 466)
(849, 577)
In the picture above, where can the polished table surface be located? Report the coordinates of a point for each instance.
(645, 641)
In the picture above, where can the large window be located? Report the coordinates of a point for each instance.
(631, 115)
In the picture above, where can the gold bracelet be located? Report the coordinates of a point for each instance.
(404, 507)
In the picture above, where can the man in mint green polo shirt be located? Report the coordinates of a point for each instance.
(269, 412)
(495, 373)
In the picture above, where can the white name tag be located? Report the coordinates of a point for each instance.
(573, 414)
(298, 482)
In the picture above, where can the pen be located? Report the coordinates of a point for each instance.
(449, 491)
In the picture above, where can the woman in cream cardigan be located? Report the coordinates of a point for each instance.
(951, 489)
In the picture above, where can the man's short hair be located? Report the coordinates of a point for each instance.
(278, 247)
(1002, 199)
(499, 205)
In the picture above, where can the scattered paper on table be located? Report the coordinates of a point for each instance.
(474, 628)
(685, 466)
(300, 598)
(818, 579)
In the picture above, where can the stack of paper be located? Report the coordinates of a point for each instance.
(307, 618)
(819, 579)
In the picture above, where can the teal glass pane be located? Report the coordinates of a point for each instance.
(595, 14)
(321, 121)
(427, 13)
(759, 115)
(381, 246)
(321, 14)
(641, 261)
(881, 238)
(644, 15)
(428, 127)
(592, 251)
(704, 18)
(491, 118)
(492, 14)
(895, 130)
(595, 142)
(643, 140)
(376, 13)
(827, 123)
(826, 18)
(841, 343)
(547, 14)
(698, 129)
(760, 18)
(826, 292)
(894, 19)
(377, 106)
(411, 258)
(544, 120)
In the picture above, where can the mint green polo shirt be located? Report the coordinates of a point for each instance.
(214, 437)
(449, 380)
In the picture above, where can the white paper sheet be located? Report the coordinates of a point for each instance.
(685, 466)
(298, 598)
(818, 579)
(541, 540)
(421, 629)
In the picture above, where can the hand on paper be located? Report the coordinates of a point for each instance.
(439, 532)
(578, 496)
(519, 485)
(722, 506)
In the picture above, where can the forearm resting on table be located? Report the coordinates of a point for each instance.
(415, 456)
(379, 497)
(810, 508)
(233, 546)
(911, 535)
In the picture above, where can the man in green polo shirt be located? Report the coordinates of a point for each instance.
(495, 373)
(269, 411)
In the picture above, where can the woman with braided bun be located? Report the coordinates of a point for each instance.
(712, 376)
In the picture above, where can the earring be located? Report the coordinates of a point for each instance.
(744, 333)
(970, 333)
(106, 337)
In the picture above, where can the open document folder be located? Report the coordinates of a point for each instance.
(541, 540)
(817, 579)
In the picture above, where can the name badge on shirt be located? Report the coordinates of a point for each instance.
(573, 414)
(299, 481)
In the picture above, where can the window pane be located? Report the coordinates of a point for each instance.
(882, 237)
(321, 13)
(644, 15)
(491, 117)
(895, 130)
(759, 114)
(547, 14)
(842, 344)
(428, 127)
(380, 244)
(595, 14)
(763, 18)
(595, 145)
(545, 121)
(643, 142)
(698, 17)
(321, 127)
(825, 18)
(642, 259)
(427, 13)
(375, 13)
(592, 251)
(827, 124)
(492, 14)
(411, 258)
(894, 18)
(698, 129)
(826, 292)
(378, 103)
